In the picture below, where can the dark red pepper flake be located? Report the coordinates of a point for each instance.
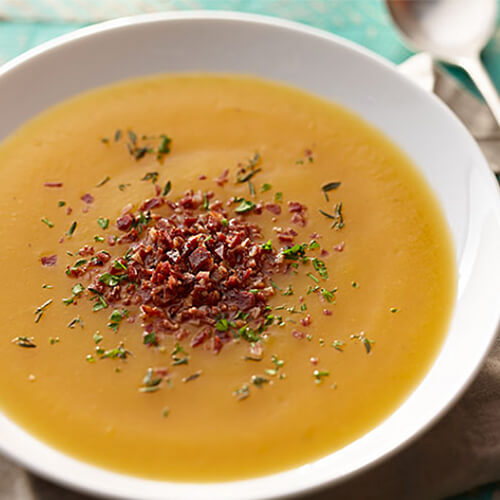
(53, 184)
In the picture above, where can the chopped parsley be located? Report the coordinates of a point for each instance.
(319, 375)
(364, 340)
(101, 183)
(117, 353)
(244, 206)
(71, 229)
(167, 188)
(41, 309)
(265, 187)
(320, 266)
(115, 318)
(339, 345)
(103, 222)
(329, 187)
(23, 341)
(47, 222)
(295, 252)
(151, 176)
(192, 377)
(242, 393)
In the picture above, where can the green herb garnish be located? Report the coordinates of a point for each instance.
(319, 375)
(295, 252)
(41, 309)
(47, 222)
(245, 206)
(167, 188)
(242, 393)
(23, 341)
(101, 183)
(103, 222)
(329, 187)
(71, 229)
(115, 318)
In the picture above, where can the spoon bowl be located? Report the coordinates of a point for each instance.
(453, 31)
(446, 28)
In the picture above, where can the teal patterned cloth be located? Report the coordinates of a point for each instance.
(27, 23)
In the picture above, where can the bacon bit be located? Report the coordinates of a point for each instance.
(298, 212)
(298, 335)
(53, 184)
(314, 361)
(200, 338)
(152, 203)
(111, 240)
(49, 261)
(324, 253)
(306, 321)
(327, 312)
(157, 189)
(181, 334)
(222, 179)
(274, 208)
(124, 222)
(202, 177)
(69, 210)
(87, 198)
(315, 236)
(86, 250)
(339, 247)
(285, 236)
(161, 371)
(217, 345)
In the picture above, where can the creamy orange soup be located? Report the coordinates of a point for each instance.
(355, 322)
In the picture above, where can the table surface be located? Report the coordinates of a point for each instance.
(27, 23)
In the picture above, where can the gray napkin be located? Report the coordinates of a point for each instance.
(460, 452)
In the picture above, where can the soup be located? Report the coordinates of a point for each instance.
(211, 278)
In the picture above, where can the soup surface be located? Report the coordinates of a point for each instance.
(332, 339)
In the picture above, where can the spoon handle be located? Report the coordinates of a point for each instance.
(482, 80)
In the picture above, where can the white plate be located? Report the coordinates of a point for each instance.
(335, 69)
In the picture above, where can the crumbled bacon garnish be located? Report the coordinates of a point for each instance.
(53, 184)
(192, 269)
(298, 212)
(285, 236)
(49, 261)
(69, 210)
(202, 177)
(222, 179)
(274, 208)
(86, 250)
(297, 334)
(306, 321)
(339, 247)
(87, 198)
(327, 312)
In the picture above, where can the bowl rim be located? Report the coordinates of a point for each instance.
(44, 469)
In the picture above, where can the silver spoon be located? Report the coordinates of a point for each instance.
(453, 31)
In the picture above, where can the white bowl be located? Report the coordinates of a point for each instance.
(335, 69)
